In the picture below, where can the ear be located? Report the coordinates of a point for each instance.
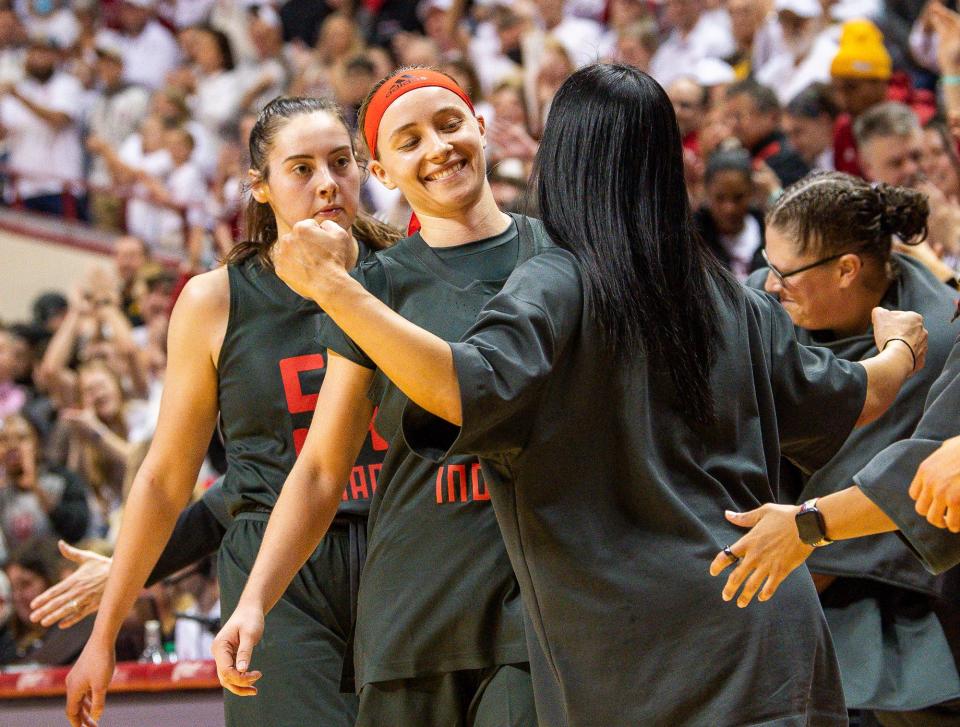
(849, 267)
(482, 123)
(258, 187)
(377, 170)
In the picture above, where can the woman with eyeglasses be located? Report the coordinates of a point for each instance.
(830, 262)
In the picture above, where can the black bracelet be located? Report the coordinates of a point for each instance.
(909, 347)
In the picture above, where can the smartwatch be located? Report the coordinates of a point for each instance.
(810, 525)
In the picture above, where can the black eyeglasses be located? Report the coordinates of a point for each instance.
(782, 276)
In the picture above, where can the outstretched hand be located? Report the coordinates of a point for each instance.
(76, 596)
(765, 556)
(313, 258)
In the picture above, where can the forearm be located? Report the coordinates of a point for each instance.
(113, 445)
(57, 119)
(886, 373)
(196, 534)
(417, 361)
(57, 355)
(851, 514)
(307, 505)
(148, 520)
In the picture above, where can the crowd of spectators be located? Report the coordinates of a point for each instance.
(132, 116)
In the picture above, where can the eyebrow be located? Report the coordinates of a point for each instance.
(438, 112)
(345, 147)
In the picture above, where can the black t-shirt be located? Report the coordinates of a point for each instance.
(437, 593)
(611, 505)
(491, 259)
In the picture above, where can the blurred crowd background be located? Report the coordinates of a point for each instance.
(132, 116)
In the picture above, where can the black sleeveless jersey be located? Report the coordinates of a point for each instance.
(270, 368)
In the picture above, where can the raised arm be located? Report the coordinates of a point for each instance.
(307, 505)
(902, 344)
(313, 260)
(164, 482)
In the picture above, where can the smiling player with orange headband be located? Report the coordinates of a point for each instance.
(439, 637)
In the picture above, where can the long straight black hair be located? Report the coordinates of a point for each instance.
(609, 182)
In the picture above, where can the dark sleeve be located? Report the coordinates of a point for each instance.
(371, 276)
(198, 533)
(71, 517)
(886, 479)
(503, 362)
(817, 396)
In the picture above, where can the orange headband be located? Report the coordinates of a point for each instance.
(393, 88)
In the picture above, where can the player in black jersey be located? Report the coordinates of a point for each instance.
(623, 390)
(439, 633)
(241, 343)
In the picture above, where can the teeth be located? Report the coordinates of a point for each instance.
(446, 172)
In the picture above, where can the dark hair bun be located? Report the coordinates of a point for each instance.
(903, 212)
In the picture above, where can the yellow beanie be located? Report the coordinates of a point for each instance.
(861, 53)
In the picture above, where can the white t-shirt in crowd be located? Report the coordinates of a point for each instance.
(216, 100)
(583, 39)
(143, 217)
(114, 117)
(188, 188)
(45, 155)
(61, 26)
(678, 55)
(743, 246)
(488, 58)
(148, 57)
(787, 79)
(11, 64)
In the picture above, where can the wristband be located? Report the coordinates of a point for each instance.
(909, 348)
(950, 80)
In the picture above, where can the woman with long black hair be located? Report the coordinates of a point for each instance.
(622, 391)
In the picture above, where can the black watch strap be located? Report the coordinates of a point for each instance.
(811, 526)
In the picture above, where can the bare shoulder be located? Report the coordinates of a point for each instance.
(202, 310)
(208, 293)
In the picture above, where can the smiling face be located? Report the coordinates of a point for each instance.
(430, 146)
(311, 173)
(813, 297)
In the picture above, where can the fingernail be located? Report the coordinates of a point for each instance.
(726, 597)
(730, 513)
(241, 666)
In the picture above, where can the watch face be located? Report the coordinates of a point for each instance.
(810, 527)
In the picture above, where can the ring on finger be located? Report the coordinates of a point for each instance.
(74, 606)
(729, 553)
